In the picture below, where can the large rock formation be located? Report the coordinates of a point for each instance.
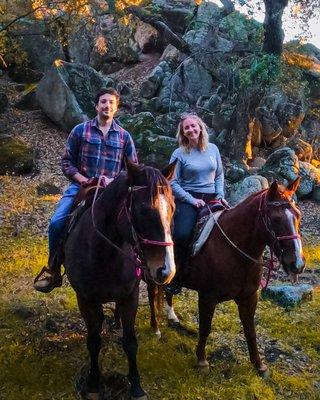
(66, 93)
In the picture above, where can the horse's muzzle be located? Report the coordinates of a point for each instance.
(164, 276)
(294, 267)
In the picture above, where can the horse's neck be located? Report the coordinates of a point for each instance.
(244, 223)
(112, 199)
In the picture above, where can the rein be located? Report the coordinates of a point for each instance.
(137, 238)
(270, 264)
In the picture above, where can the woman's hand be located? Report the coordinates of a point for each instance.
(199, 203)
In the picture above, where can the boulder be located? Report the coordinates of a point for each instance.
(281, 165)
(15, 156)
(153, 147)
(249, 185)
(146, 37)
(302, 149)
(42, 49)
(116, 43)
(310, 177)
(175, 13)
(66, 93)
(81, 45)
(235, 171)
(186, 85)
(143, 122)
(288, 296)
(316, 193)
(276, 118)
(240, 28)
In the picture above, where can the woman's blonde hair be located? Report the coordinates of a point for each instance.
(203, 138)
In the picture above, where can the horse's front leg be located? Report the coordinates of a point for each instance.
(151, 286)
(206, 306)
(92, 314)
(128, 310)
(247, 308)
(172, 316)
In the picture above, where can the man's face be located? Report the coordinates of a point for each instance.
(107, 106)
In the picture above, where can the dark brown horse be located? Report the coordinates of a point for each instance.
(221, 272)
(131, 218)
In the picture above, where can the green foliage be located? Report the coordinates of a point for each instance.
(241, 28)
(268, 70)
(263, 71)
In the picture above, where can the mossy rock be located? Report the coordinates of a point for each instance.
(15, 156)
(154, 150)
(141, 123)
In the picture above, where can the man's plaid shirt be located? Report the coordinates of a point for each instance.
(92, 155)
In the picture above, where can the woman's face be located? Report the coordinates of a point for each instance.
(191, 130)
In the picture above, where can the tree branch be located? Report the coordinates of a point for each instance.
(162, 28)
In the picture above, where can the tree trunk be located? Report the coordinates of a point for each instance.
(273, 32)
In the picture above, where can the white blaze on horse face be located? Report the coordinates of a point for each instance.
(170, 266)
(297, 242)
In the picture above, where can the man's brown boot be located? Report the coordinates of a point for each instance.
(49, 280)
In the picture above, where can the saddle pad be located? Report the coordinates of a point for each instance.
(203, 234)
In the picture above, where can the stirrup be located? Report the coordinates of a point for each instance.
(53, 280)
(44, 269)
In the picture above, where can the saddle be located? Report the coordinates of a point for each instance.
(206, 219)
(83, 200)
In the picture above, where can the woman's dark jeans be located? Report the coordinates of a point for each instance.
(185, 218)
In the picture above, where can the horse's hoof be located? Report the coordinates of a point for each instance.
(203, 367)
(92, 396)
(158, 334)
(264, 372)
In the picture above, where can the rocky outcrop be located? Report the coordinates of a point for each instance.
(282, 165)
(66, 93)
(154, 148)
(114, 42)
(249, 185)
(40, 48)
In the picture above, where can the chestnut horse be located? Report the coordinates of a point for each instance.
(131, 218)
(229, 266)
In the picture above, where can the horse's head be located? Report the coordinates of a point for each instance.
(282, 219)
(151, 209)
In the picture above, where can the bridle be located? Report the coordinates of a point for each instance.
(274, 245)
(138, 239)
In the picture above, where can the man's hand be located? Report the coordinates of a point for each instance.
(79, 178)
(107, 180)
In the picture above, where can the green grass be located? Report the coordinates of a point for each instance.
(42, 353)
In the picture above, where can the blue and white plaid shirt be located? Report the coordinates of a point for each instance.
(92, 155)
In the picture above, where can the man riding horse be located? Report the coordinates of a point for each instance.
(94, 148)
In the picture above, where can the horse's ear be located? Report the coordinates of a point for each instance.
(168, 171)
(293, 186)
(273, 190)
(132, 169)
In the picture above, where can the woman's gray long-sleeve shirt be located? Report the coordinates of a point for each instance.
(197, 171)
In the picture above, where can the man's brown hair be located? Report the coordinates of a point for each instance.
(109, 90)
